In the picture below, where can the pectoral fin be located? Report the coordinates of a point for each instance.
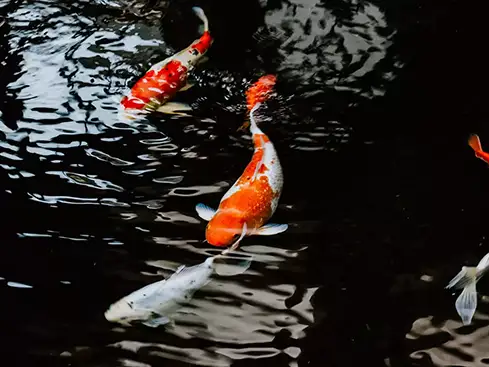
(186, 87)
(157, 321)
(202, 60)
(271, 229)
(174, 108)
(245, 125)
(204, 211)
(179, 269)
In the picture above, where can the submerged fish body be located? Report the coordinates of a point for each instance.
(258, 93)
(252, 200)
(466, 279)
(153, 304)
(164, 79)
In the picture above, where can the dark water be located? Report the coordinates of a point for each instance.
(384, 199)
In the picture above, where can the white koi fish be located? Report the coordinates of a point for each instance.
(153, 304)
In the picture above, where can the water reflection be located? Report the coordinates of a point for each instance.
(449, 343)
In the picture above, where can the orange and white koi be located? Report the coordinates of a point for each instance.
(475, 144)
(252, 200)
(259, 92)
(164, 79)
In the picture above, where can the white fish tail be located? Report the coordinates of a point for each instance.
(483, 265)
(242, 266)
(466, 302)
(200, 13)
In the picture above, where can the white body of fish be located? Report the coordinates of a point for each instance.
(153, 304)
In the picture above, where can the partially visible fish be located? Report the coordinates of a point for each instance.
(258, 93)
(475, 144)
(153, 304)
(164, 79)
(466, 279)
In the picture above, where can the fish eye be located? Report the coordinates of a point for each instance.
(194, 52)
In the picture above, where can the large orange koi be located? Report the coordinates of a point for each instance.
(252, 200)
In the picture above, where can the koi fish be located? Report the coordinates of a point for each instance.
(164, 79)
(466, 279)
(259, 92)
(153, 304)
(475, 144)
(253, 198)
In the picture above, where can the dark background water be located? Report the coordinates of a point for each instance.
(384, 198)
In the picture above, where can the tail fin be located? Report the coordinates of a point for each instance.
(241, 266)
(475, 143)
(200, 13)
(466, 303)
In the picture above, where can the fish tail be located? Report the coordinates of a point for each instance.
(466, 302)
(201, 15)
(475, 143)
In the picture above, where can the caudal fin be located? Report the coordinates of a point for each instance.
(466, 302)
(200, 13)
(475, 143)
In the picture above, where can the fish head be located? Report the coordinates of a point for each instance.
(123, 312)
(261, 90)
(195, 52)
(224, 229)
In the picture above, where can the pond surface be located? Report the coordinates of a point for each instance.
(384, 199)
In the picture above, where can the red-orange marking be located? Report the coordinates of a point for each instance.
(260, 91)
(204, 42)
(168, 80)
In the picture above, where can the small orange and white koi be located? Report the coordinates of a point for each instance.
(252, 200)
(259, 92)
(164, 79)
(475, 144)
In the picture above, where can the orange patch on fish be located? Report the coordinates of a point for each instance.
(249, 172)
(251, 204)
(156, 85)
(260, 91)
(204, 42)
